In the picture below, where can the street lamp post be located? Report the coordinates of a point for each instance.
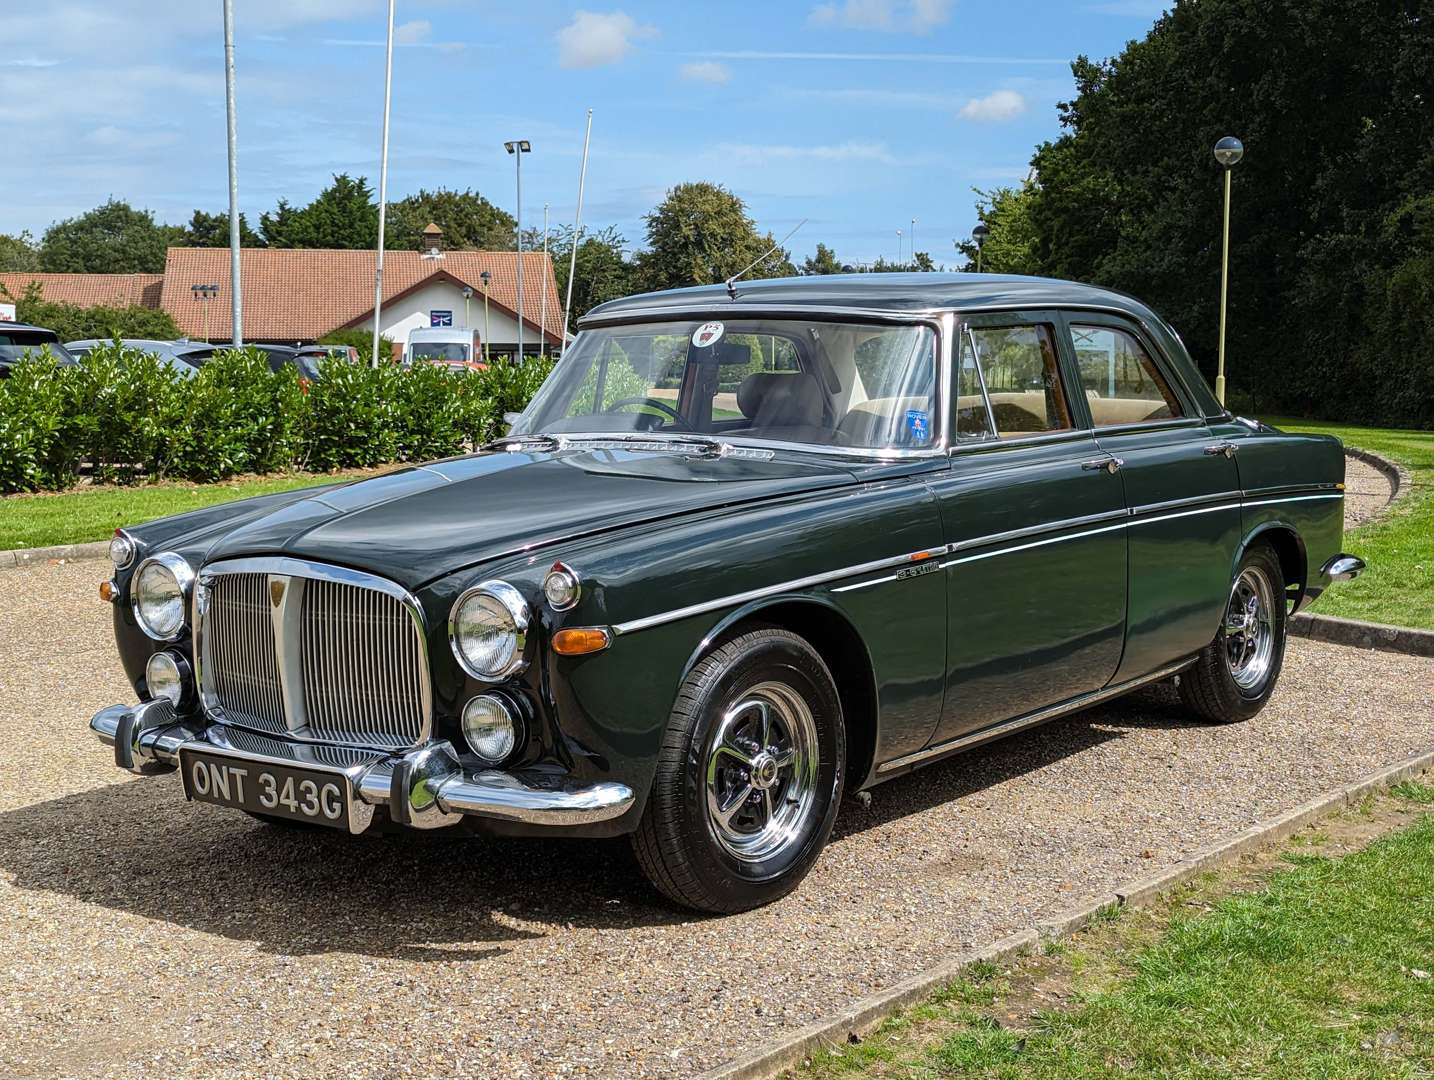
(898, 247)
(467, 296)
(486, 277)
(519, 147)
(203, 294)
(1228, 152)
(543, 320)
(979, 234)
(912, 241)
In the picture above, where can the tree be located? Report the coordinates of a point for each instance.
(823, 262)
(1011, 244)
(212, 230)
(18, 252)
(468, 220)
(111, 239)
(1331, 99)
(343, 215)
(603, 271)
(700, 234)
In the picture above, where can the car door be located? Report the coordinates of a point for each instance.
(1033, 518)
(1182, 485)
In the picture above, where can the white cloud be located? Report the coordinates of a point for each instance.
(847, 151)
(29, 62)
(706, 71)
(411, 33)
(593, 38)
(909, 16)
(995, 108)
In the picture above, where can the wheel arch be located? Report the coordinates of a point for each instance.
(827, 629)
(1289, 548)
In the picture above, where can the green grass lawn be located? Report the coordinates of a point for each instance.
(1398, 587)
(1325, 972)
(74, 517)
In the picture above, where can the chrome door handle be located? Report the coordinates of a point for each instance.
(1228, 449)
(1110, 464)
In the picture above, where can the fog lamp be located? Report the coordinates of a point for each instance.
(167, 677)
(490, 728)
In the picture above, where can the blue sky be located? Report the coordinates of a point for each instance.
(858, 115)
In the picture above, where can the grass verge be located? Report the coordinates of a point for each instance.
(1319, 965)
(93, 513)
(1398, 587)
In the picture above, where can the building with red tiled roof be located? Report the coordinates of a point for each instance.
(299, 294)
(89, 290)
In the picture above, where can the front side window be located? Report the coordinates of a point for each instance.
(1023, 381)
(806, 382)
(1121, 382)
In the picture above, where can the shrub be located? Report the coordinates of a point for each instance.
(352, 416)
(124, 407)
(362, 340)
(430, 412)
(34, 421)
(240, 417)
(75, 323)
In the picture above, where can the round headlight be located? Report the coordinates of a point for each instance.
(167, 677)
(561, 587)
(159, 591)
(490, 728)
(488, 629)
(122, 550)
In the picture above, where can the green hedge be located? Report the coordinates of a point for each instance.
(132, 417)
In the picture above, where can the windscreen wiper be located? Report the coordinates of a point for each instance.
(549, 442)
(712, 447)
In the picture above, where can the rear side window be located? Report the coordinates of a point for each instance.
(1023, 381)
(1121, 382)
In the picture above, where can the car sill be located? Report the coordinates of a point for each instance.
(1020, 723)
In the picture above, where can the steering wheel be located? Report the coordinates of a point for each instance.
(661, 406)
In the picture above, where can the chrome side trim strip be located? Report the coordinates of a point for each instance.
(634, 625)
(1040, 716)
(1123, 519)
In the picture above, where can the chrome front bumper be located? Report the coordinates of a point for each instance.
(425, 788)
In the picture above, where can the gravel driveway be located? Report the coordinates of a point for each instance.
(141, 935)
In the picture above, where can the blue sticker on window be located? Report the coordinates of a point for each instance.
(917, 425)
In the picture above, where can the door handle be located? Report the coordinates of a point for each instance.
(1109, 464)
(1228, 449)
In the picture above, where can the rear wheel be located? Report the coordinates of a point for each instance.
(1237, 672)
(749, 776)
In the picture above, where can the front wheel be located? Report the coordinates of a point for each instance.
(1237, 672)
(749, 776)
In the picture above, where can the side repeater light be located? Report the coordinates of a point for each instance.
(581, 640)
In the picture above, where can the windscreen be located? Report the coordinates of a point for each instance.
(439, 350)
(825, 384)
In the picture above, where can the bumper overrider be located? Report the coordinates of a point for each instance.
(423, 788)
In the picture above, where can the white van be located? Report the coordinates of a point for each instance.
(451, 346)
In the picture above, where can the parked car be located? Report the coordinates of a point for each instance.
(185, 357)
(453, 347)
(18, 340)
(282, 356)
(338, 352)
(740, 556)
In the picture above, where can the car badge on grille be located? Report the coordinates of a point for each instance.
(277, 585)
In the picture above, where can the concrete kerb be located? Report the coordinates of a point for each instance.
(15, 558)
(1363, 635)
(864, 1015)
(1397, 475)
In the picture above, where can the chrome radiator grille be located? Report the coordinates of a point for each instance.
(313, 652)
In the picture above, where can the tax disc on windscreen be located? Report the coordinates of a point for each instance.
(708, 333)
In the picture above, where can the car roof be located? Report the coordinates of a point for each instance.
(8, 326)
(896, 294)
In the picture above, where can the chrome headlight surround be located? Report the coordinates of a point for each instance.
(179, 570)
(122, 549)
(504, 608)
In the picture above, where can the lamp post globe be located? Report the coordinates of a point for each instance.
(979, 234)
(1229, 151)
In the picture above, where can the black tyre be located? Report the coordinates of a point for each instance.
(1237, 672)
(749, 776)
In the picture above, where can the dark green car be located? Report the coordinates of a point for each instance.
(743, 554)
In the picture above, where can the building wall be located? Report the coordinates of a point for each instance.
(413, 312)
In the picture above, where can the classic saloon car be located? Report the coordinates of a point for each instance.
(747, 550)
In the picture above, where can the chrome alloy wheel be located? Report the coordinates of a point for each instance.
(762, 773)
(1249, 629)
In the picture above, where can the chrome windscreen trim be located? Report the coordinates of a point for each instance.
(1040, 716)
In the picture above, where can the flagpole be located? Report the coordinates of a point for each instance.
(236, 292)
(383, 184)
(543, 320)
(577, 231)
